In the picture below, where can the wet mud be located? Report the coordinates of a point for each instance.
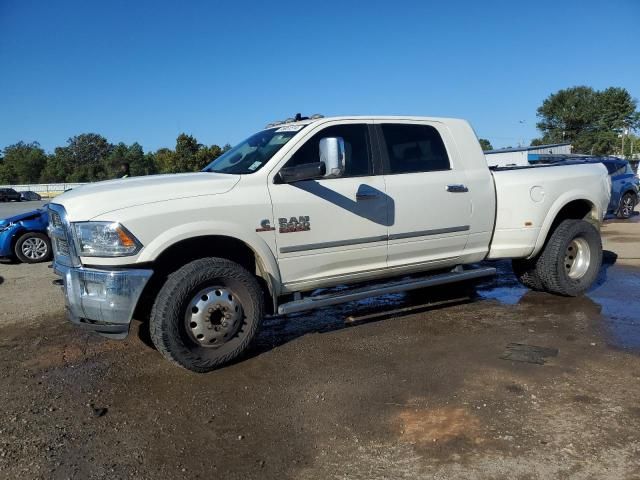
(402, 386)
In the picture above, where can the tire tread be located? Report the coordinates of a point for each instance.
(163, 331)
(550, 269)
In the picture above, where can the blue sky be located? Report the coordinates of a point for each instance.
(147, 70)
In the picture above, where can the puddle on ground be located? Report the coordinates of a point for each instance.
(615, 299)
(613, 303)
(507, 295)
(619, 297)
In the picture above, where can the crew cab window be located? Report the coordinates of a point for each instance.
(414, 148)
(356, 146)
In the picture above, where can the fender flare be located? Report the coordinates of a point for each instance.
(557, 206)
(265, 259)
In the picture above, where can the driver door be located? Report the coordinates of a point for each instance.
(331, 228)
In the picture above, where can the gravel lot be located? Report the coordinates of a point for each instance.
(404, 386)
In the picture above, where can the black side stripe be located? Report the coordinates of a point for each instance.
(380, 238)
(338, 243)
(426, 233)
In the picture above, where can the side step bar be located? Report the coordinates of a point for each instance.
(319, 301)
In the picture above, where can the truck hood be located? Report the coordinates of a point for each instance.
(93, 199)
(23, 216)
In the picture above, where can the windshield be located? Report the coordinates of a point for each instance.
(249, 156)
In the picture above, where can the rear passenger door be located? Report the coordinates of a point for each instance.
(430, 205)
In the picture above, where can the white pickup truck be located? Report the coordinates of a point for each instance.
(377, 204)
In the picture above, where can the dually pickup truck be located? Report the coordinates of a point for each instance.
(374, 204)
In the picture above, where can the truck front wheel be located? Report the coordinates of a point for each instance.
(571, 259)
(206, 314)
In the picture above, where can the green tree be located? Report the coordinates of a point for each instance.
(90, 157)
(141, 163)
(23, 162)
(188, 156)
(132, 155)
(187, 148)
(84, 159)
(166, 161)
(206, 155)
(485, 144)
(4, 176)
(591, 120)
(56, 169)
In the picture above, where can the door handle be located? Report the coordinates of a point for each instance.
(365, 192)
(457, 188)
(366, 195)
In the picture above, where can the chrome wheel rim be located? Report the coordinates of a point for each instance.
(34, 248)
(577, 258)
(627, 206)
(213, 316)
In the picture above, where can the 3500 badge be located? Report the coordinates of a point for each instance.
(300, 224)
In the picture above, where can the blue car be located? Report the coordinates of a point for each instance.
(625, 187)
(25, 237)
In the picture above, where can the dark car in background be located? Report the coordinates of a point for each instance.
(625, 187)
(8, 195)
(30, 196)
(25, 237)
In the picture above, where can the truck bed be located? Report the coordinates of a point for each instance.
(528, 202)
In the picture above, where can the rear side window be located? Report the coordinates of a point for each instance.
(616, 168)
(414, 148)
(611, 167)
(356, 145)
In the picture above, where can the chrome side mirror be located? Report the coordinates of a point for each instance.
(333, 156)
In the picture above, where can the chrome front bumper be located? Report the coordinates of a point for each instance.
(102, 300)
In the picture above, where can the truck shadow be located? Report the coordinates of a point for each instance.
(381, 210)
(278, 330)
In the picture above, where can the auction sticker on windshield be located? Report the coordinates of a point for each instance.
(290, 128)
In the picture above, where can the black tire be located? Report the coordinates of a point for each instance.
(168, 327)
(627, 204)
(527, 274)
(552, 268)
(43, 252)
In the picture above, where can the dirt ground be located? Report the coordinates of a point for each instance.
(429, 384)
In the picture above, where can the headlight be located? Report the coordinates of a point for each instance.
(105, 239)
(4, 228)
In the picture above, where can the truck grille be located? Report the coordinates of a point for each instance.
(61, 237)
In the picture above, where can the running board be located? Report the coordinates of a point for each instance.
(319, 301)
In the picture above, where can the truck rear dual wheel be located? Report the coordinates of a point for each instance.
(206, 314)
(569, 262)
